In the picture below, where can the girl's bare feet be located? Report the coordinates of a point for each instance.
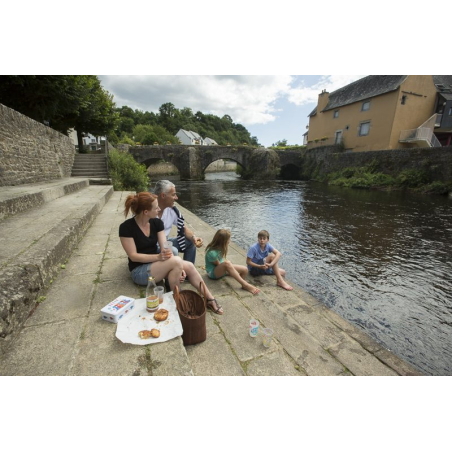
(250, 288)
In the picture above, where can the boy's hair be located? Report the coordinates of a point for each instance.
(220, 241)
(264, 234)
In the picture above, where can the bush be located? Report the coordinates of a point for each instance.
(126, 173)
(412, 178)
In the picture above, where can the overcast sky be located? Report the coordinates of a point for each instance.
(271, 107)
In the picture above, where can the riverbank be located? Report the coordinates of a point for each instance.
(66, 336)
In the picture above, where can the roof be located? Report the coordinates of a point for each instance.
(443, 83)
(375, 85)
(364, 88)
(190, 134)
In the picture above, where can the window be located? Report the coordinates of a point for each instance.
(403, 101)
(338, 137)
(364, 128)
(336, 114)
(365, 106)
(450, 111)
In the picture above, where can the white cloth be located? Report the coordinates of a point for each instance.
(169, 218)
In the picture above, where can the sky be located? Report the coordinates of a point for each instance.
(271, 107)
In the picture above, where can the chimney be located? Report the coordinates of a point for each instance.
(323, 100)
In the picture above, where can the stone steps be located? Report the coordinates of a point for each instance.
(36, 241)
(90, 165)
(20, 198)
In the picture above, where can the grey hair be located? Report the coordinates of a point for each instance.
(163, 186)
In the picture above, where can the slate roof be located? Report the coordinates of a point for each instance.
(364, 88)
(371, 86)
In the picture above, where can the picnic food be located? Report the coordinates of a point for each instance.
(160, 315)
(198, 243)
(146, 334)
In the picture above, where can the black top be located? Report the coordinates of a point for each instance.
(144, 245)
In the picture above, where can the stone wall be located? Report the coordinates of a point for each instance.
(437, 162)
(30, 151)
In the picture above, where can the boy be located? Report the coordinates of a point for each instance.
(262, 259)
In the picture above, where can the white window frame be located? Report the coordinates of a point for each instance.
(340, 134)
(359, 129)
(364, 103)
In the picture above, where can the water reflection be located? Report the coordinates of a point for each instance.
(379, 259)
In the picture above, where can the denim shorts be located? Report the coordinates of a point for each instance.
(140, 275)
(260, 271)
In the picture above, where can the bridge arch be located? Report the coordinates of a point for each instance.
(191, 161)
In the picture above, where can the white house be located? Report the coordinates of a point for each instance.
(209, 142)
(88, 140)
(189, 137)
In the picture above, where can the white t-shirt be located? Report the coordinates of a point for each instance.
(169, 218)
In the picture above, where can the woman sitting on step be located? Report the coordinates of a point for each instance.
(139, 236)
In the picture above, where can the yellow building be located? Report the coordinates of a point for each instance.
(381, 112)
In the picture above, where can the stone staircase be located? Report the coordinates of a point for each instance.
(40, 225)
(92, 166)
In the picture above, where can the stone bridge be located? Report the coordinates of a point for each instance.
(192, 161)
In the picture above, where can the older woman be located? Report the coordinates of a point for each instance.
(139, 236)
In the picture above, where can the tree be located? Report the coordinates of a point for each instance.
(96, 113)
(62, 101)
(280, 143)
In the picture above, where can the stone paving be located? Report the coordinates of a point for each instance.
(66, 336)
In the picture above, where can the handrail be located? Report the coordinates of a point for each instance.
(420, 134)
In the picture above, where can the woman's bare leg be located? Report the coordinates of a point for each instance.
(195, 279)
(171, 269)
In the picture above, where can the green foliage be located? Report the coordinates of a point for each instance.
(280, 143)
(360, 177)
(146, 134)
(64, 101)
(126, 173)
(438, 188)
(169, 120)
(412, 178)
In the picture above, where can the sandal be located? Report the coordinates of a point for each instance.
(219, 309)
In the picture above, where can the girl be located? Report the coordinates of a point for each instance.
(139, 236)
(217, 266)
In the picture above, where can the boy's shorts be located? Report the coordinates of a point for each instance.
(260, 271)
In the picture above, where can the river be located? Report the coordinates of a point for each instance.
(382, 260)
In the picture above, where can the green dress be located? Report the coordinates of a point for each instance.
(211, 257)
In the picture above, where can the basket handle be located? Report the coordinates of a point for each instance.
(176, 292)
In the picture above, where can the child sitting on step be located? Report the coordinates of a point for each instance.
(217, 266)
(262, 259)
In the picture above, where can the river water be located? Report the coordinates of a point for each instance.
(382, 260)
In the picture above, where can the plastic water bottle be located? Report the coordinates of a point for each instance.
(152, 300)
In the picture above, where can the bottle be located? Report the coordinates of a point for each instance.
(152, 300)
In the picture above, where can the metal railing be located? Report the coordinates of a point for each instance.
(419, 134)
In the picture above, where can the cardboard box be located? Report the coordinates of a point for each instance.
(117, 309)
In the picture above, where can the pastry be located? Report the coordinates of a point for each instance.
(146, 334)
(161, 315)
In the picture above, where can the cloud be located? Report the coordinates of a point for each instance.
(248, 99)
(302, 94)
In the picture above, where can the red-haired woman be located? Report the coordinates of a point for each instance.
(139, 236)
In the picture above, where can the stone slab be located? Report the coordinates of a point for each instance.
(99, 352)
(358, 360)
(69, 297)
(274, 363)
(213, 357)
(43, 350)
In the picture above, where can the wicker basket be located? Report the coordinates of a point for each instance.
(192, 313)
